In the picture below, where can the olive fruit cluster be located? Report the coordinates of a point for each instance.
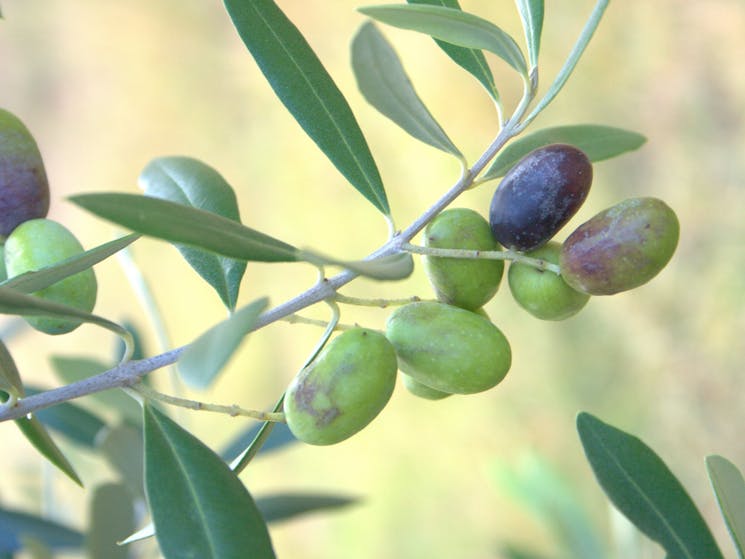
(31, 241)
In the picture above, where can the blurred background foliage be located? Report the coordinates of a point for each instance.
(106, 86)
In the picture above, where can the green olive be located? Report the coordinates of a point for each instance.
(422, 390)
(448, 348)
(39, 243)
(343, 390)
(463, 282)
(543, 293)
(620, 248)
(24, 190)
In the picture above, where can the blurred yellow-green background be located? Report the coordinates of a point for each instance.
(106, 86)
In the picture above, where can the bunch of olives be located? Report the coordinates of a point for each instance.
(450, 346)
(31, 241)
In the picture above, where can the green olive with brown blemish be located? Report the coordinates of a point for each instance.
(343, 389)
(40, 243)
(448, 348)
(24, 189)
(463, 282)
(620, 248)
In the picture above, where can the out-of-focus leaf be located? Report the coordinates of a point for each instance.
(386, 268)
(729, 487)
(597, 141)
(192, 183)
(14, 525)
(74, 369)
(534, 484)
(70, 420)
(199, 506)
(510, 551)
(139, 349)
(122, 447)
(16, 303)
(471, 60)
(36, 549)
(275, 508)
(205, 357)
(280, 437)
(10, 378)
(38, 436)
(531, 13)
(645, 490)
(177, 223)
(382, 80)
(30, 282)
(307, 90)
(453, 26)
(111, 517)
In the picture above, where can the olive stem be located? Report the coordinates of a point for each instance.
(233, 411)
(382, 303)
(299, 319)
(510, 255)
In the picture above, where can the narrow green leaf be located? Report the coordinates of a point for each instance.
(597, 141)
(10, 378)
(205, 357)
(199, 506)
(510, 551)
(192, 183)
(74, 369)
(17, 303)
(382, 80)
(122, 447)
(280, 437)
(307, 90)
(69, 419)
(177, 223)
(14, 525)
(386, 268)
(38, 436)
(571, 62)
(275, 508)
(644, 489)
(729, 487)
(30, 282)
(452, 26)
(111, 517)
(531, 14)
(471, 60)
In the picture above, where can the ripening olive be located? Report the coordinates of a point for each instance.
(343, 390)
(463, 282)
(539, 195)
(620, 248)
(543, 293)
(422, 390)
(448, 348)
(39, 243)
(24, 190)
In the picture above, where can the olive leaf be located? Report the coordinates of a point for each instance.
(644, 489)
(392, 267)
(729, 487)
(306, 89)
(471, 60)
(197, 503)
(597, 141)
(111, 516)
(531, 14)
(70, 420)
(452, 26)
(15, 524)
(383, 82)
(10, 378)
(205, 357)
(192, 183)
(284, 506)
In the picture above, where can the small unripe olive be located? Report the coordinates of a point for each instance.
(543, 293)
(422, 390)
(344, 388)
(463, 282)
(39, 243)
(448, 348)
(24, 190)
(620, 248)
(539, 195)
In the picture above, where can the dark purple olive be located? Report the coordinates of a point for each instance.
(24, 191)
(539, 195)
(620, 248)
